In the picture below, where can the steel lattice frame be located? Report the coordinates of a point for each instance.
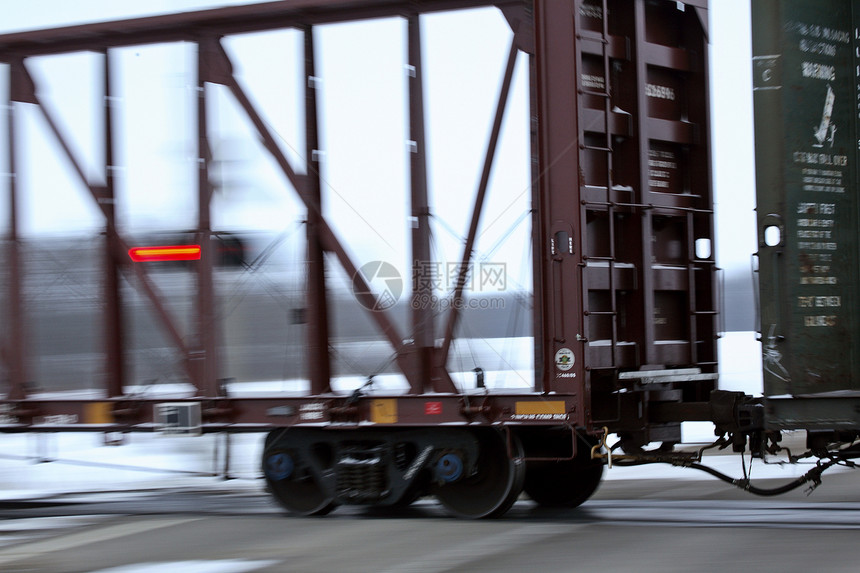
(569, 368)
(421, 363)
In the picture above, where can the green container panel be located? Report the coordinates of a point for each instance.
(806, 132)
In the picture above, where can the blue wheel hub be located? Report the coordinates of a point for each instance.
(279, 466)
(449, 468)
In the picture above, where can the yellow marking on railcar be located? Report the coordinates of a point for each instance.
(98, 413)
(383, 411)
(540, 407)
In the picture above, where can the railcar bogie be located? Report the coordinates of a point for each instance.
(476, 472)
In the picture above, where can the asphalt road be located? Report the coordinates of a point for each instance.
(630, 525)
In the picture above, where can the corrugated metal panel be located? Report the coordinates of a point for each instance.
(806, 150)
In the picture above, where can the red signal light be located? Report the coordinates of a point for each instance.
(168, 253)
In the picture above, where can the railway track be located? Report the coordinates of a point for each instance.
(631, 510)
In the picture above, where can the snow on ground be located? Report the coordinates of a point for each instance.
(84, 463)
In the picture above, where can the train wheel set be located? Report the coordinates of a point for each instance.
(473, 473)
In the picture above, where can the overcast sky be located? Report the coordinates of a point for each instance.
(463, 74)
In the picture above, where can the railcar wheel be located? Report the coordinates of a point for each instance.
(566, 483)
(495, 484)
(295, 489)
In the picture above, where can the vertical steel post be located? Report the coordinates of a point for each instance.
(113, 324)
(319, 364)
(538, 280)
(16, 333)
(422, 266)
(204, 356)
(645, 273)
(556, 195)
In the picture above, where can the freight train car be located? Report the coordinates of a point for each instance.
(805, 58)
(626, 315)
